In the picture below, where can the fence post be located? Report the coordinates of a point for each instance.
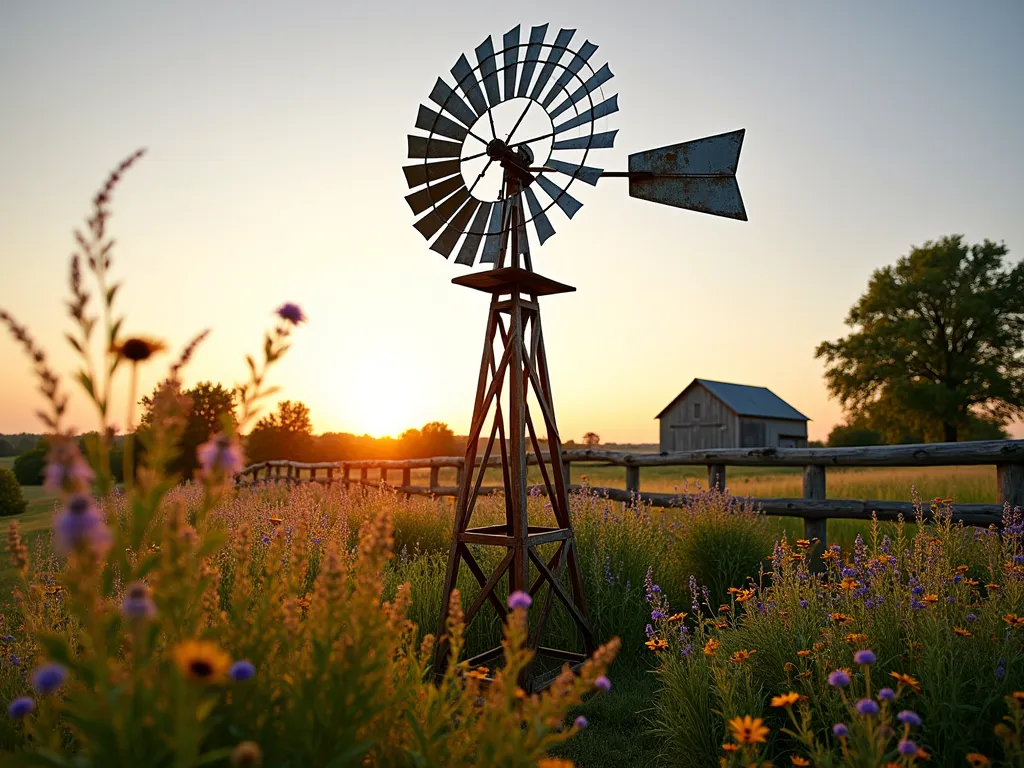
(632, 479)
(433, 478)
(330, 475)
(815, 528)
(1010, 478)
(384, 475)
(566, 472)
(407, 481)
(363, 475)
(716, 476)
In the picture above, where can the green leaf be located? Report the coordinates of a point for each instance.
(86, 381)
(114, 329)
(111, 292)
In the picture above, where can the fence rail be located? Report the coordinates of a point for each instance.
(814, 508)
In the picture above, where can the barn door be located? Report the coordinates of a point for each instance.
(753, 434)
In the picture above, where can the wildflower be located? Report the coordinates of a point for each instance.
(867, 707)
(1018, 696)
(803, 543)
(849, 584)
(840, 618)
(555, 762)
(1014, 620)
(906, 747)
(603, 683)
(246, 754)
(906, 680)
(137, 602)
(839, 678)
(655, 615)
(201, 661)
(840, 730)
(724, 608)
(48, 678)
(977, 759)
(804, 604)
(930, 599)
(804, 675)
(656, 644)
(829, 554)
(66, 470)
(803, 654)
(241, 671)
(20, 707)
(677, 617)
(80, 526)
(962, 632)
(220, 454)
(138, 349)
(480, 673)
(1000, 672)
(856, 638)
(275, 521)
(797, 760)
(887, 694)
(740, 656)
(909, 718)
(993, 587)
(519, 599)
(291, 313)
(785, 700)
(710, 647)
(730, 747)
(971, 617)
(748, 730)
(864, 657)
(581, 722)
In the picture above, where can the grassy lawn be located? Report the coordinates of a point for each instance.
(35, 521)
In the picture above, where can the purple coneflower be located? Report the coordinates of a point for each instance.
(48, 678)
(519, 599)
(80, 526)
(220, 454)
(138, 604)
(292, 313)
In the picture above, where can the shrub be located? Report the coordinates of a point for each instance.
(28, 467)
(12, 500)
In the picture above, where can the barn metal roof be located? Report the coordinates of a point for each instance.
(745, 400)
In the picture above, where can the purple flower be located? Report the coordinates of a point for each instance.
(48, 678)
(840, 730)
(137, 602)
(581, 722)
(887, 694)
(221, 454)
(971, 617)
(839, 678)
(867, 707)
(1000, 672)
(20, 707)
(603, 683)
(655, 615)
(649, 631)
(909, 718)
(804, 604)
(66, 470)
(917, 605)
(291, 312)
(849, 573)
(80, 526)
(864, 657)
(15, 661)
(241, 671)
(906, 747)
(918, 590)
(519, 599)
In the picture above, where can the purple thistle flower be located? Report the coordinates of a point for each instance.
(867, 707)
(849, 573)
(291, 313)
(649, 631)
(66, 470)
(20, 707)
(887, 694)
(917, 605)
(603, 683)
(655, 615)
(220, 454)
(917, 590)
(864, 657)
(48, 678)
(519, 599)
(581, 722)
(839, 678)
(241, 671)
(80, 526)
(840, 730)
(804, 604)
(906, 747)
(137, 602)
(909, 718)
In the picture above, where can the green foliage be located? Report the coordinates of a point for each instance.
(286, 434)
(7, 448)
(937, 338)
(434, 439)
(12, 500)
(28, 467)
(210, 408)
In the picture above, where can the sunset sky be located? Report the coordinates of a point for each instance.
(276, 134)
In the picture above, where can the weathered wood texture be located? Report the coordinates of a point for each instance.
(815, 528)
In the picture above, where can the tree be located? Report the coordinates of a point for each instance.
(937, 342)
(28, 467)
(12, 500)
(287, 434)
(434, 439)
(6, 448)
(211, 408)
(591, 439)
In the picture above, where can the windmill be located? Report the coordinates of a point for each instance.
(495, 155)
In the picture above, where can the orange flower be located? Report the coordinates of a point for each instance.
(555, 762)
(724, 608)
(201, 661)
(786, 699)
(1018, 695)
(971, 582)
(1014, 620)
(480, 673)
(740, 656)
(906, 680)
(818, 646)
(803, 543)
(744, 595)
(962, 632)
(977, 759)
(930, 598)
(804, 675)
(796, 557)
(992, 586)
(710, 647)
(748, 730)
(275, 521)
(730, 747)
(922, 754)
(797, 760)
(841, 618)
(789, 666)
(677, 617)
(656, 644)
(720, 624)
(803, 654)
(849, 584)
(828, 554)
(857, 638)
(961, 569)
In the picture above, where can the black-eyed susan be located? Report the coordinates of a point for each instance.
(977, 759)
(201, 661)
(1013, 620)
(710, 647)
(744, 595)
(906, 680)
(849, 584)
(828, 554)
(657, 644)
(137, 349)
(740, 656)
(786, 699)
(748, 730)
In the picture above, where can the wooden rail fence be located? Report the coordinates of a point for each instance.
(814, 508)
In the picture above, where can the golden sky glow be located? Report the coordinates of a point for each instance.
(276, 136)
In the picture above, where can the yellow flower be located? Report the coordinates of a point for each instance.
(740, 656)
(786, 699)
(720, 624)
(930, 598)
(748, 730)
(961, 569)
(202, 661)
(962, 632)
(906, 680)
(710, 647)
(856, 638)
(677, 617)
(480, 673)
(828, 554)
(656, 644)
(803, 654)
(797, 760)
(796, 557)
(977, 759)
(138, 348)
(1018, 695)
(803, 543)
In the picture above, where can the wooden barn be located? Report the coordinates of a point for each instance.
(714, 414)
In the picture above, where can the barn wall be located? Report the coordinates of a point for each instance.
(717, 426)
(766, 433)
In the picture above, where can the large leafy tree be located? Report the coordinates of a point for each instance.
(287, 434)
(211, 408)
(937, 342)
